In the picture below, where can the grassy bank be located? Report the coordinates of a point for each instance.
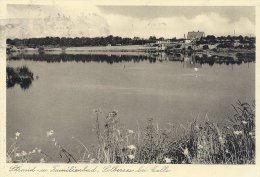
(197, 143)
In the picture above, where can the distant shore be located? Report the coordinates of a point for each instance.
(126, 48)
(133, 50)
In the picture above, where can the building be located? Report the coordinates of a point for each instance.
(195, 35)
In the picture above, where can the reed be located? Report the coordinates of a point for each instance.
(199, 142)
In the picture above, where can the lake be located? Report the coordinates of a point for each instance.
(168, 88)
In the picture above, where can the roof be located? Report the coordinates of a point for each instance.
(192, 35)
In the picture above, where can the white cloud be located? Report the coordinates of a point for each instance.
(90, 22)
(82, 22)
(211, 23)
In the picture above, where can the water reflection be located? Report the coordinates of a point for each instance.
(190, 58)
(20, 75)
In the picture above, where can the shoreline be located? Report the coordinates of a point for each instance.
(128, 50)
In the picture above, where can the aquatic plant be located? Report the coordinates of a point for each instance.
(20, 75)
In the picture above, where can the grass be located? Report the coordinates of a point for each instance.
(196, 143)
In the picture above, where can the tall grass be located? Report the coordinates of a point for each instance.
(204, 143)
(197, 143)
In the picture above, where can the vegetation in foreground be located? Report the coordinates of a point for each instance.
(197, 143)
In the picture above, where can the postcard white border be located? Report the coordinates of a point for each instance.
(176, 170)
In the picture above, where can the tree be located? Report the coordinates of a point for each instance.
(205, 47)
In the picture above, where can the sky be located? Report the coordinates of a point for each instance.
(25, 21)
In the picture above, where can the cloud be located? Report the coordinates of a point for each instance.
(211, 23)
(59, 21)
(90, 21)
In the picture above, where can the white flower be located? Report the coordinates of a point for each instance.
(186, 152)
(200, 146)
(250, 133)
(167, 160)
(23, 153)
(131, 147)
(17, 134)
(33, 151)
(238, 132)
(221, 140)
(244, 122)
(131, 157)
(130, 131)
(118, 131)
(92, 160)
(39, 150)
(42, 160)
(18, 155)
(50, 133)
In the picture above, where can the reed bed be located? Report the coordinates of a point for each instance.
(196, 143)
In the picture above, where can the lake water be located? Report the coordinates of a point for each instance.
(170, 90)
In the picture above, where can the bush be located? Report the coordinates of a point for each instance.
(205, 47)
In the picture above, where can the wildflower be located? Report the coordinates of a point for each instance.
(131, 147)
(167, 160)
(130, 131)
(186, 152)
(50, 133)
(113, 113)
(92, 160)
(39, 150)
(244, 122)
(17, 134)
(18, 155)
(55, 144)
(238, 132)
(131, 157)
(118, 131)
(42, 160)
(250, 133)
(221, 140)
(200, 146)
(23, 153)
(227, 151)
(197, 127)
(33, 151)
(95, 111)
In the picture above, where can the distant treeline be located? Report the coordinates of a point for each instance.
(228, 41)
(83, 41)
(223, 41)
